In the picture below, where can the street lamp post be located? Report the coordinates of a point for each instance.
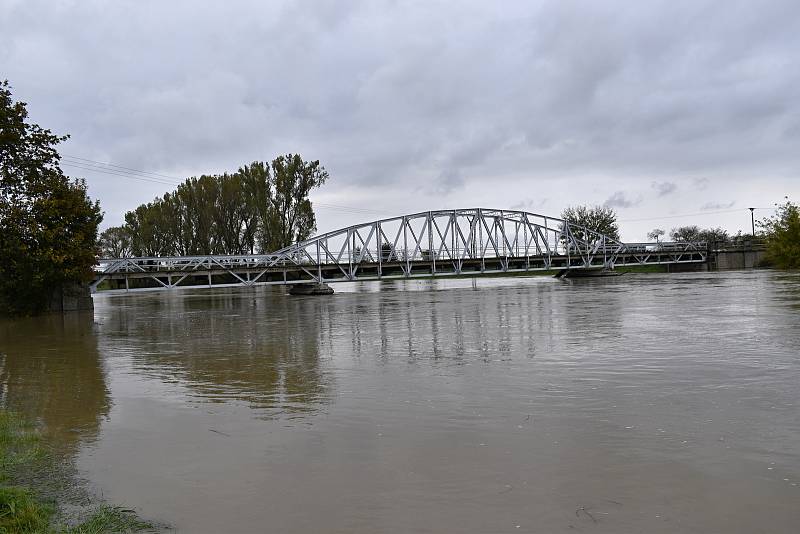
(753, 220)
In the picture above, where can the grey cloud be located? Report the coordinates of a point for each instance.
(717, 205)
(664, 188)
(620, 200)
(448, 180)
(529, 204)
(386, 95)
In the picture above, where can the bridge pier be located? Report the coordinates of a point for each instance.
(311, 289)
(72, 297)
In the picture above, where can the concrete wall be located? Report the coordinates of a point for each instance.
(723, 260)
(75, 297)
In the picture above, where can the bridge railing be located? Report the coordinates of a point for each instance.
(461, 237)
(664, 246)
(362, 256)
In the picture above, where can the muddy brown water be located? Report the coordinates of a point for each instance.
(644, 403)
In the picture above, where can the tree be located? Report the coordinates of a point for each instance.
(293, 180)
(115, 242)
(783, 236)
(258, 185)
(599, 219)
(259, 207)
(655, 234)
(148, 227)
(715, 235)
(688, 234)
(695, 234)
(48, 224)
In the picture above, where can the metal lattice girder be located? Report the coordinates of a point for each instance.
(431, 243)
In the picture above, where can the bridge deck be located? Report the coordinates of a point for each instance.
(475, 241)
(131, 274)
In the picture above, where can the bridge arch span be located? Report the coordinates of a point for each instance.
(475, 241)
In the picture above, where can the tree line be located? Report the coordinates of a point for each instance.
(603, 220)
(780, 233)
(48, 223)
(260, 208)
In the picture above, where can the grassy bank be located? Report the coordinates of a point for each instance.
(26, 507)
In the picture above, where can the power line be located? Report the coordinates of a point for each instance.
(121, 174)
(120, 171)
(104, 165)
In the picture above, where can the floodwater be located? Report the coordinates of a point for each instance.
(643, 403)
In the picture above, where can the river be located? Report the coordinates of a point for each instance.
(642, 403)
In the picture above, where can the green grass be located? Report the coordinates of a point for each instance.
(20, 512)
(23, 510)
(110, 519)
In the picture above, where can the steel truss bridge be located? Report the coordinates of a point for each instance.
(442, 243)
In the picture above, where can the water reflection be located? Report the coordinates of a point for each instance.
(261, 347)
(483, 323)
(479, 405)
(50, 371)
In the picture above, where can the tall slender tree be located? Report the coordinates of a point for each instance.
(294, 179)
(261, 207)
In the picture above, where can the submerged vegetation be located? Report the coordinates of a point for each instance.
(25, 509)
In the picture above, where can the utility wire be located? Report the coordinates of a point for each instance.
(104, 165)
(121, 174)
(86, 164)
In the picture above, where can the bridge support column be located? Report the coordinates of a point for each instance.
(311, 289)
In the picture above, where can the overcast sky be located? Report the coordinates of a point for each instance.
(671, 112)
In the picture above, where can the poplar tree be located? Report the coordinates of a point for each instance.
(262, 207)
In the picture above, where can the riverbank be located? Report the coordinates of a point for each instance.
(31, 501)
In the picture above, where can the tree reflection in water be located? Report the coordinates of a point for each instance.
(259, 347)
(50, 371)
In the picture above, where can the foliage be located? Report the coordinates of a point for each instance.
(599, 219)
(655, 234)
(695, 234)
(48, 224)
(260, 208)
(783, 236)
(115, 242)
(293, 180)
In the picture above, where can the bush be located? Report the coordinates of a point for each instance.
(783, 236)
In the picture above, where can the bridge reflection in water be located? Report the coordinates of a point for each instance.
(443, 243)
